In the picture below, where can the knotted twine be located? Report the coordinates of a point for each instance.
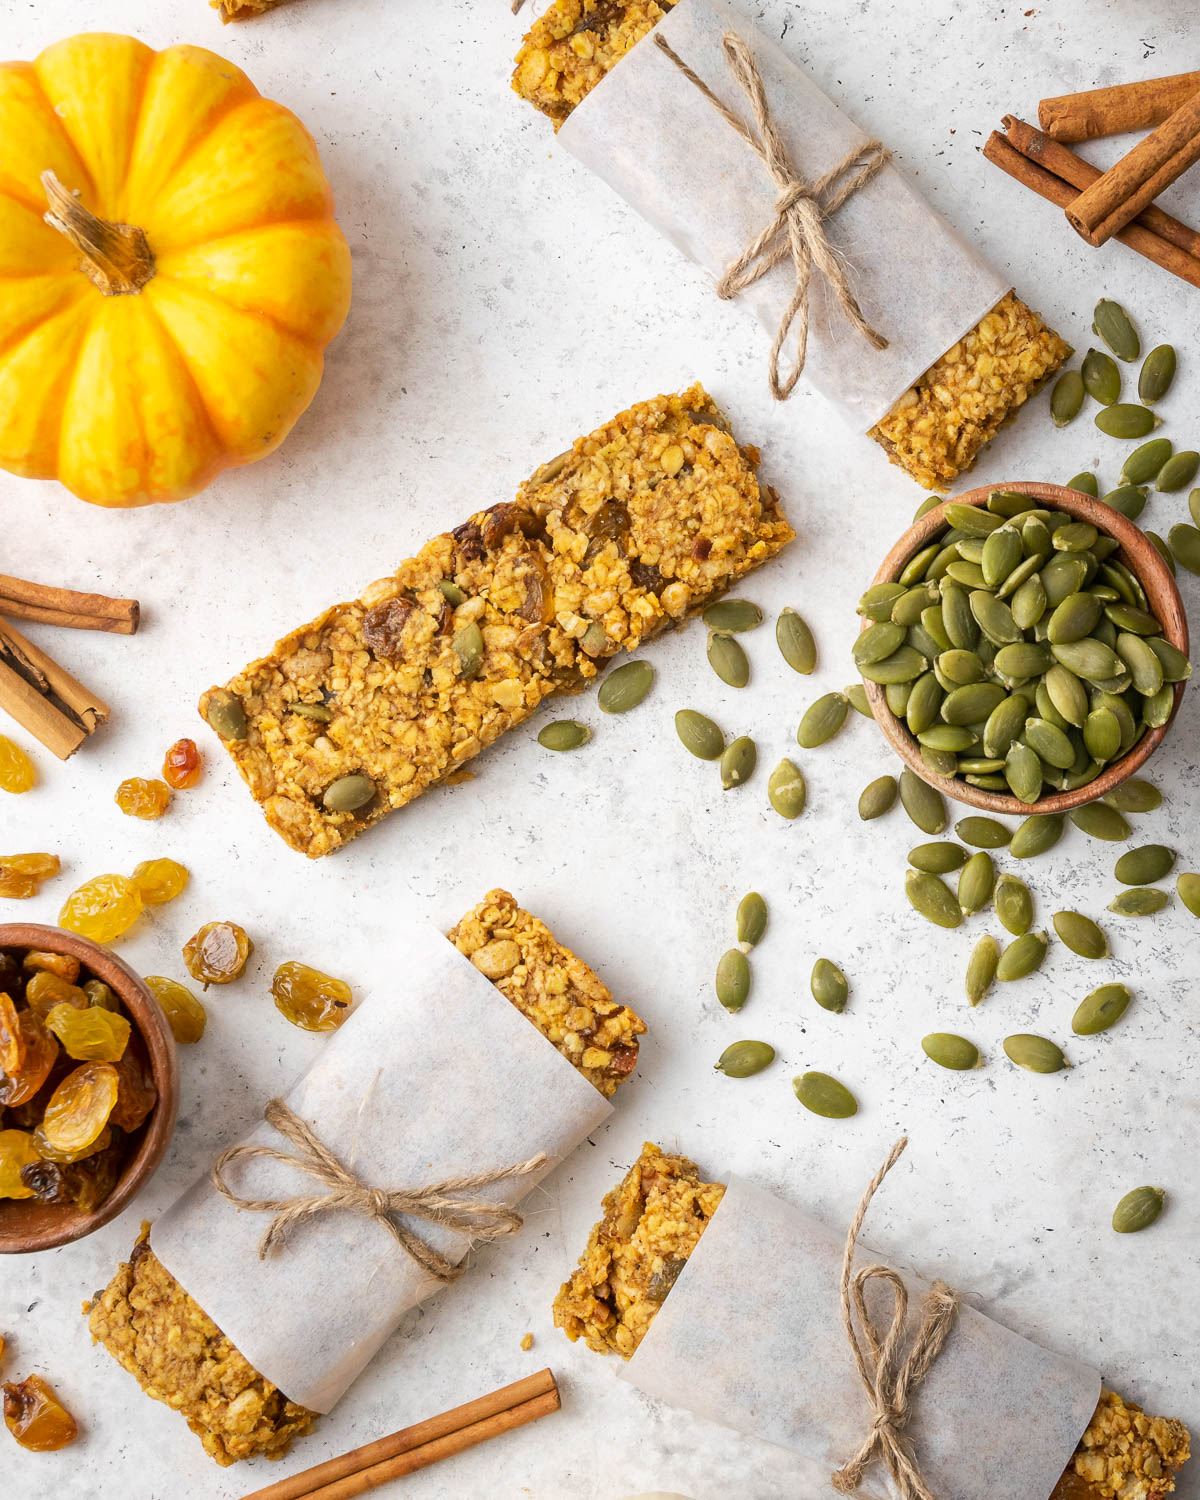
(439, 1203)
(797, 230)
(887, 1381)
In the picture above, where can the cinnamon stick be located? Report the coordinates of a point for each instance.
(1120, 194)
(1002, 153)
(45, 698)
(1113, 111)
(23, 600)
(422, 1444)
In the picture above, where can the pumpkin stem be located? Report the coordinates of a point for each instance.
(116, 257)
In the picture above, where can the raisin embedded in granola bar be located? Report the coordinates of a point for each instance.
(637, 526)
(1125, 1455)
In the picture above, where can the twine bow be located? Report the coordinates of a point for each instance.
(887, 1381)
(439, 1203)
(797, 231)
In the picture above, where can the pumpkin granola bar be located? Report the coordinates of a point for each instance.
(242, 10)
(633, 529)
(1125, 1455)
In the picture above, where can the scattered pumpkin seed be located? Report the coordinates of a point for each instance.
(320, 713)
(348, 793)
(1113, 324)
(796, 643)
(1157, 373)
(1128, 500)
(923, 803)
(1134, 795)
(1036, 1053)
(983, 833)
(932, 897)
(937, 858)
(1145, 865)
(825, 1096)
(1013, 903)
(822, 720)
(976, 882)
(1022, 957)
(1188, 886)
(1138, 901)
(1138, 1209)
(1100, 377)
(1178, 472)
(699, 734)
(857, 696)
(226, 714)
(1184, 542)
(1143, 464)
(1081, 934)
(732, 614)
(564, 734)
(1066, 399)
(744, 1059)
(1100, 821)
(727, 659)
(1103, 1008)
(829, 987)
(877, 798)
(1037, 834)
(751, 920)
(981, 968)
(625, 687)
(787, 791)
(1126, 421)
(1086, 483)
(738, 761)
(950, 1051)
(733, 979)
(1194, 506)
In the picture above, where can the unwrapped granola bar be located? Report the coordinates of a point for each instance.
(636, 527)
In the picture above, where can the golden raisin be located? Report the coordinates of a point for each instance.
(40, 1055)
(45, 990)
(36, 1417)
(140, 797)
(16, 769)
(48, 1151)
(98, 993)
(90, 1035)
(217, 954)
(160, 880)
(40, 866)
(310, 999)
(80, 1106)
(181, 765)
(136, 1091)
(12, 1042)
(102, 908)
(17, 1150)
(15, 885)
(63, 964)
(185, 1014)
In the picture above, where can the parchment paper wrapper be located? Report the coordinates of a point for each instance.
(654, 138)
(440, 1076)
(751, 1337)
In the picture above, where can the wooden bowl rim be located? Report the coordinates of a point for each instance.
(146, 1013)
(1136, 547)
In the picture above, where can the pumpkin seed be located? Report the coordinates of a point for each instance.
(348, 793)
(922, 802)
(744, 1059)
(1145, 865)
(1134, 795)
(908, 609)
(1158, 709)
(699, 735)
(931, 502)
(940, 762)
(727, 659)
(958, 619)
(857, 696)
(876, 603)
(226, 714)
(971, 520)
(1049, 743)
(1102, 734)
(896, 695)
(902, 666)
(1138, 1209)
(795, 642)
(787, 791)
(1066, 399)
(822, 720)
(1002, 552)
(877, 641)
(981, 968)
(1194, 506)
(1022, 956)
(1144, 463)
(1188, 886)
(960, 667)
(1113, 324)
(1023, 659)
(733, 979)
(594, 641)
(732, 615)
(829, 987)
(976, 883)
(877, 798)
(994, 618)
(1023, 772)
(1075, 536)
(625, 687)
(1074, 619)
(319, 712)
(984, 833)
(932, 897)
(1036, 835)
(1023, 582)
(1138, 901)
(1126, 617)
(1128, 500)
(1063, 574)
(825, 1096)
(1036, 1053)
(751, 920)
(1100, 377)
(1068, 696)
(1081, 934)
(1013, 903)
(1144, 667)
(1090, 659)
(924, 703)
(1004, 724)
(1086, 482)
(468, 647)
(1157, 373)
(451, 593)
(564, 734)
(1126, 421)
(937, 858)
(1103, 1008)
(1176, 667)
(1184, 542)
(950, 1051)
(1178, 472)
(738, 761)
(947, 737)
(1010, 503)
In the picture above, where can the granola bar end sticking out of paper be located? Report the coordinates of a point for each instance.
(1125, 1455)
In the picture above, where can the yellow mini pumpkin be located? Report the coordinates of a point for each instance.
(170, 269)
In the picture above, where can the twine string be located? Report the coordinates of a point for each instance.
(451, 1203)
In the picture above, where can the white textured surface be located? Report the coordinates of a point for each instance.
(504, 303)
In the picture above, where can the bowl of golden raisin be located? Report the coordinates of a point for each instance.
(89, 1086)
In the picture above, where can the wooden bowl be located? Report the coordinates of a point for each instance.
(26, 1224)
(1139, 555)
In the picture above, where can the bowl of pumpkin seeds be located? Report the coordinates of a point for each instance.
(1023, 649)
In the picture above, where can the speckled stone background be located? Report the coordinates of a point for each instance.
(503, 304)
